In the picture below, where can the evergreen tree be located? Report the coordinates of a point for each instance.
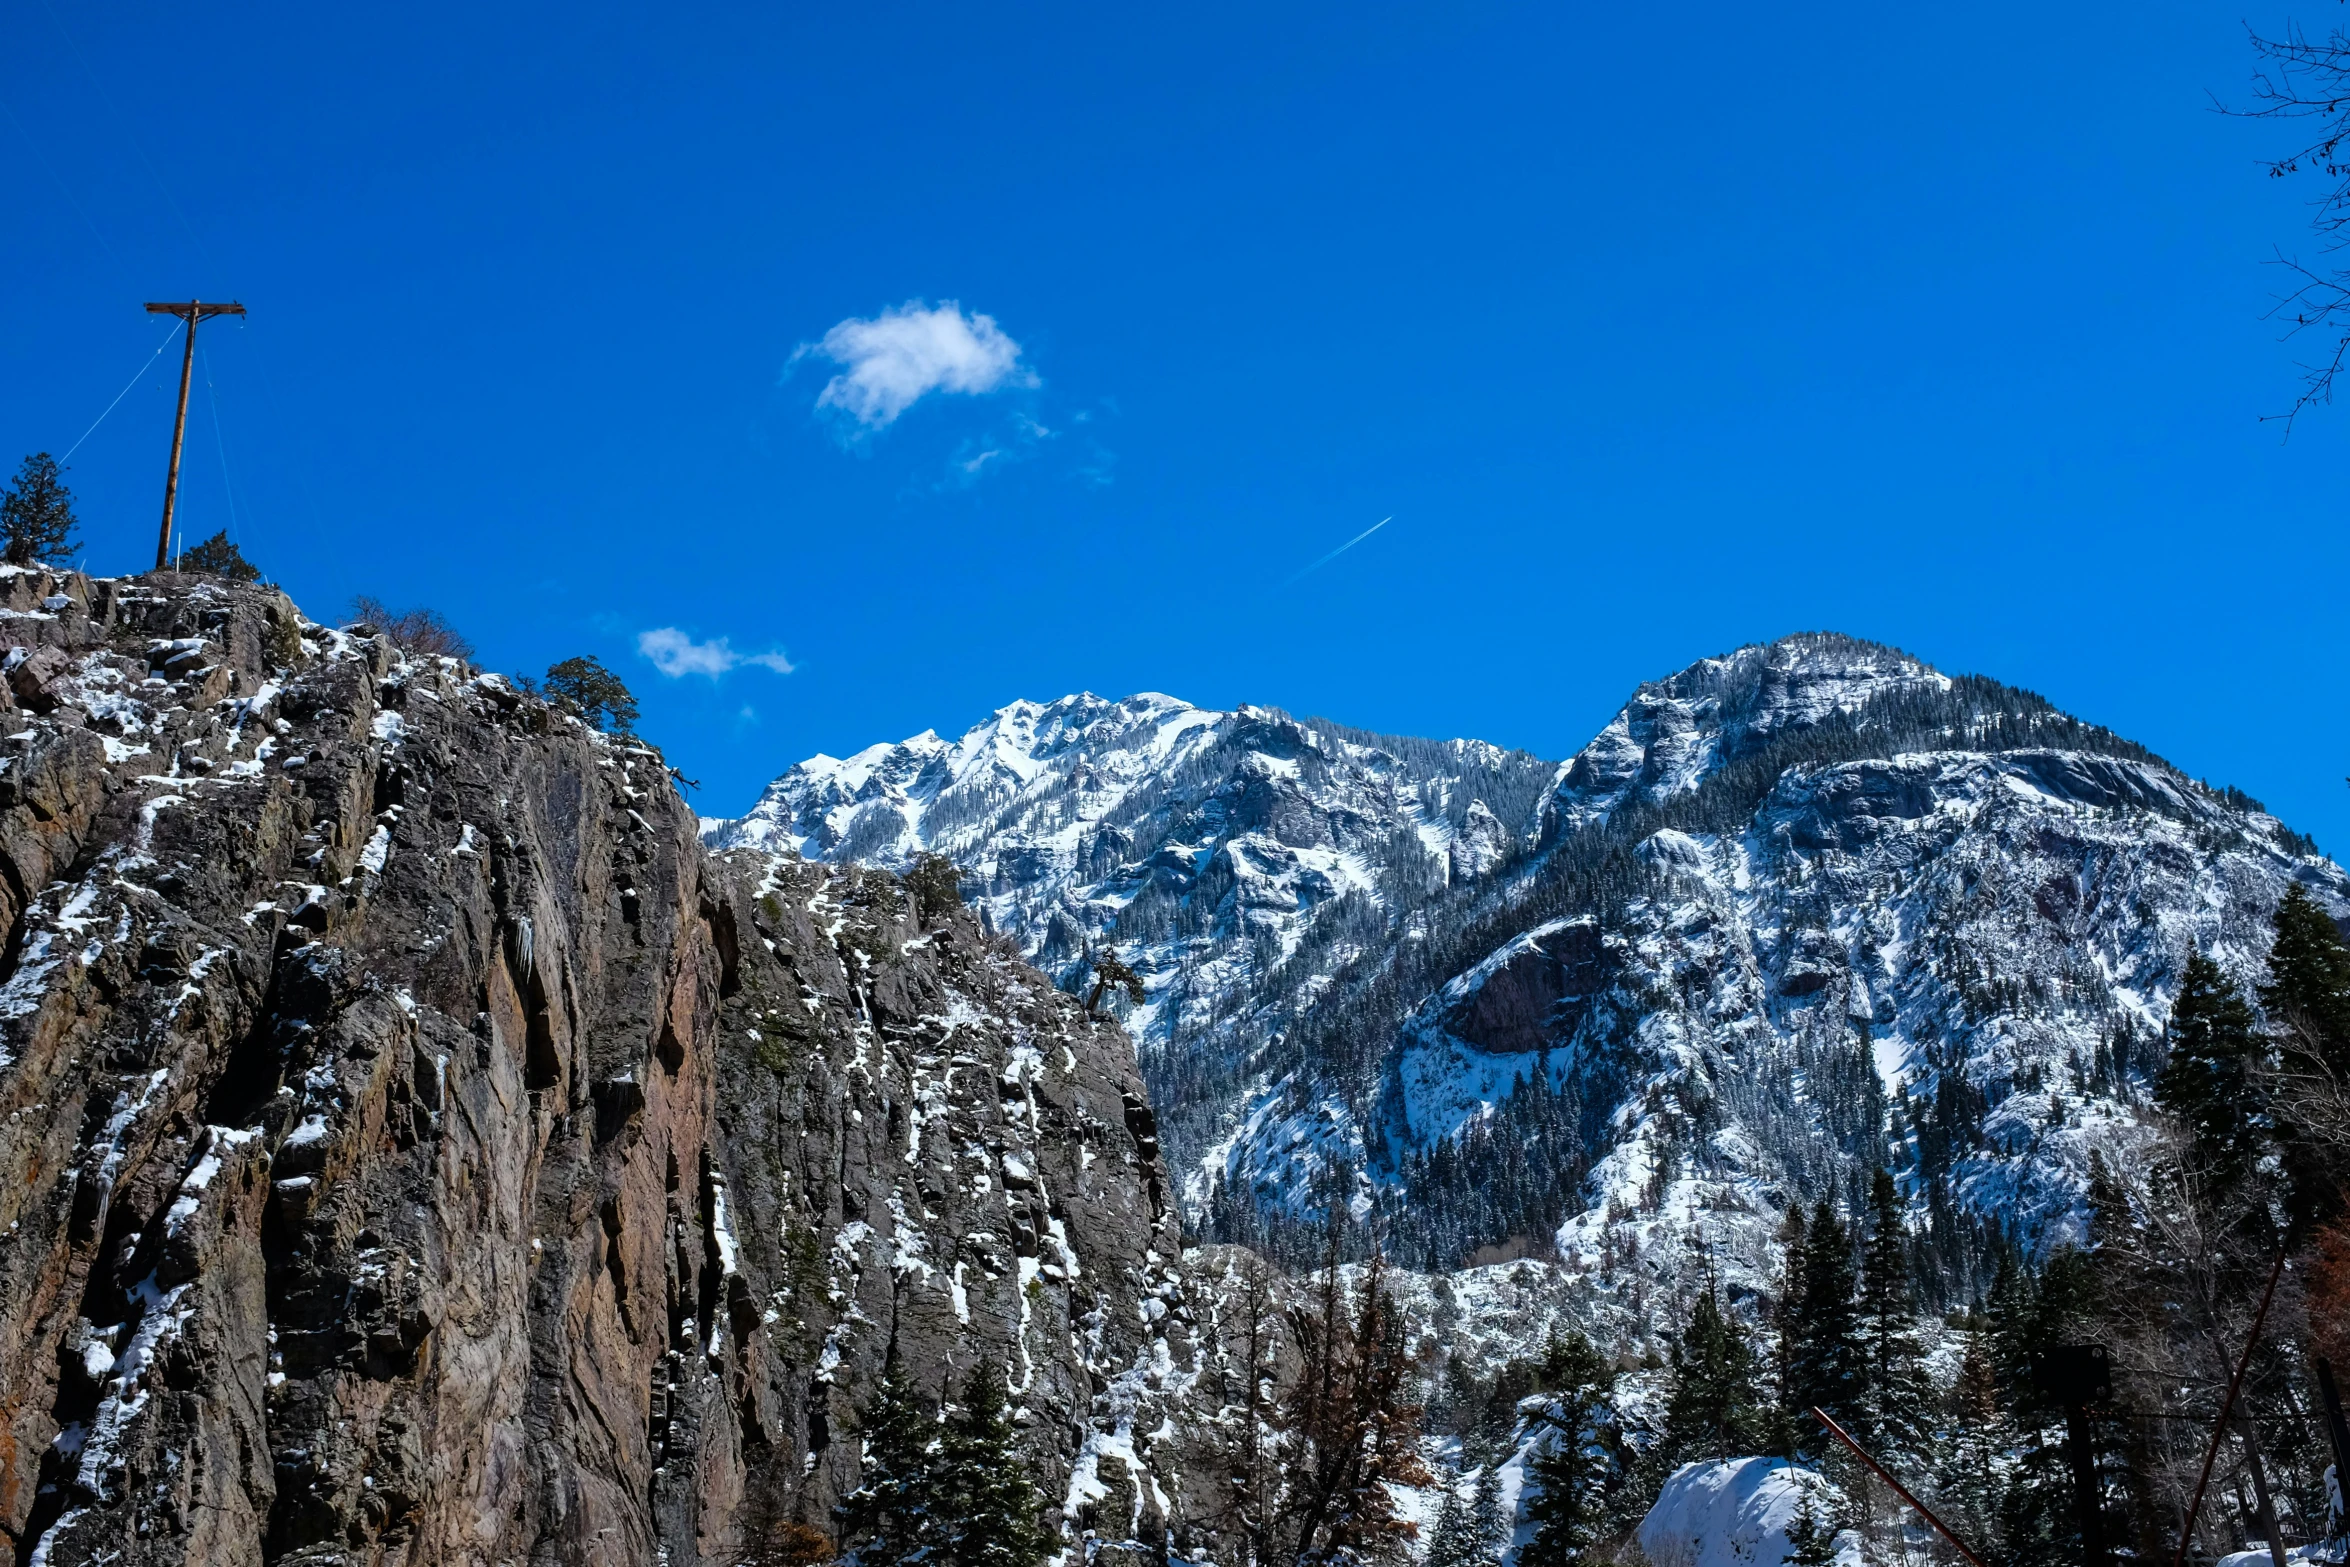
(1564, 1508)
(2209, 1081)
(2008, 1317)
(936, 886)
(1786, 1321)
(1572, 1467)
(1811, 1537)
(1895, 1407)
(2307, 999)
(588, 691)
(1110, 972)
(2038, 1517)
(1713, 1410)
(2309, 978)
(2109, 1206)
(986, 1497)
(220, 557)
(892, 1517)
(36, 512)
(1450, 1542)
(1978, 1435)
(1829, 1367)
(1489, 1532)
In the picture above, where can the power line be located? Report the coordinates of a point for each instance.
(122, 123)
(125, 392)
(220, 445)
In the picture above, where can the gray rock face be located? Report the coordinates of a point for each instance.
(414, 1149)
(920, 1142)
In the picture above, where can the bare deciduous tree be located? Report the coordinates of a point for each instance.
(426, 632)
(2306, 80)
(1244, 1443)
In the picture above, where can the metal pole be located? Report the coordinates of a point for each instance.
(179, 430)
(1901, 1490)
(2219, 1429)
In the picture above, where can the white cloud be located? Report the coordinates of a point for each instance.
(677, 655)
(902, 355)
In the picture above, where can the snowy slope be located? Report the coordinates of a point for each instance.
(1235, 859)
(1736, 1514)
(1956, 964)
(1796, 911)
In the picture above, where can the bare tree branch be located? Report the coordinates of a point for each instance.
(2306, 79)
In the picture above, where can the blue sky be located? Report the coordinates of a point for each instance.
(1654, 331)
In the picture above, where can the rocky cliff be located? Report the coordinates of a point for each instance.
(413, 1148)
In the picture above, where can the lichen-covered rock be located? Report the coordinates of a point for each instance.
(414, 1149)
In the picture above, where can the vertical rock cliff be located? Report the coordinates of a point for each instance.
(414, 1149)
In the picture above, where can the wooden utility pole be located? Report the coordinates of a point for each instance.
(191, 312)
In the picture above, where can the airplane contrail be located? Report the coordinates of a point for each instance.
(1342, 549)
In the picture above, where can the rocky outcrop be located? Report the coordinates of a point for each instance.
(414, 1149)
(921, 1147)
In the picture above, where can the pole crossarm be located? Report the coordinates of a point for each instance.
(193, 311)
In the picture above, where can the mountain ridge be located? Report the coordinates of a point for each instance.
(1289, 1036)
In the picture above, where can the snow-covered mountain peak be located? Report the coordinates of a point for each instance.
(1799, 910)
(889, 802)
(1675, 732)
(1232, 857)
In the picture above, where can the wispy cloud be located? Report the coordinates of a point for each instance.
(893, 360)
(677, 655)
(979, 456)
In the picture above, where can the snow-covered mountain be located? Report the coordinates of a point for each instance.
(1235, 859)
(1796, 911)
